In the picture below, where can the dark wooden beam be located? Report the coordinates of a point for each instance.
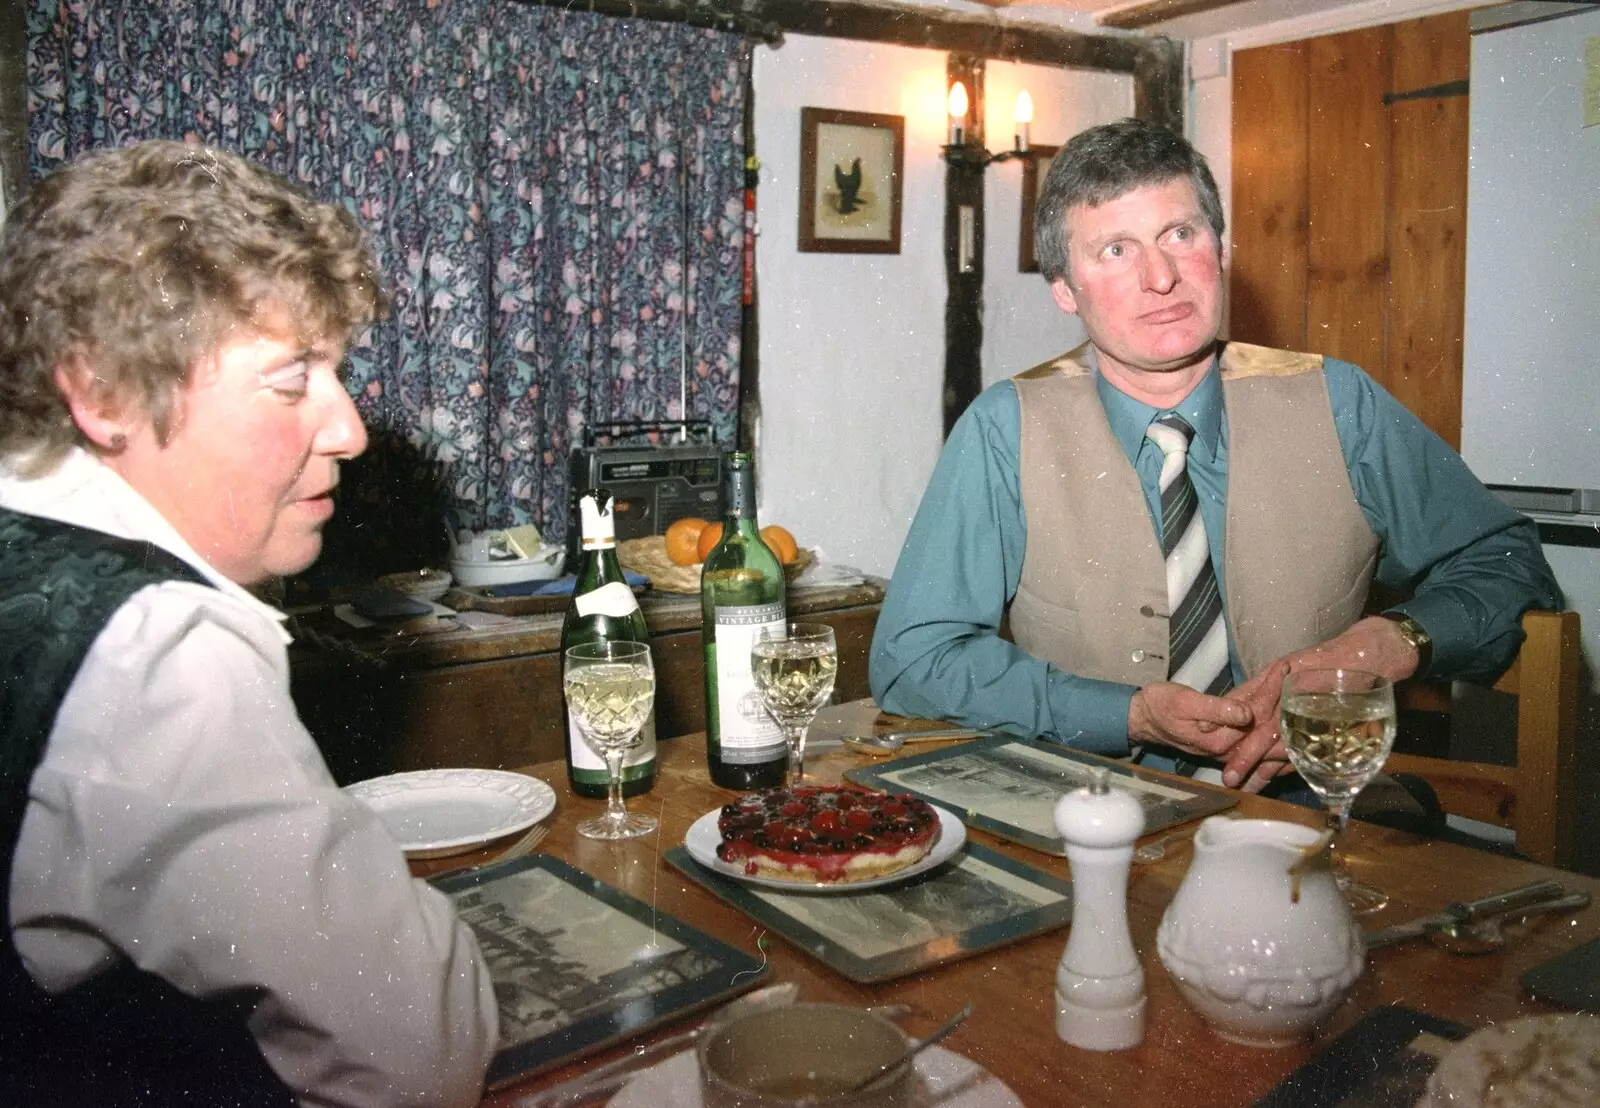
(1136, 16)
(963, 305)
(1158, 83)
(1155, 63)
(13, 103)
(933, 29)
(881, 21)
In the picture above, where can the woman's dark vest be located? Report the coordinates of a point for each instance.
(125, 1037)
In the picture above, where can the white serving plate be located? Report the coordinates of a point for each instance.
(433, 813)
(703, 837)
(944, 1078)
(545, 564)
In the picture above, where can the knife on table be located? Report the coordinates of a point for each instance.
(1466, 912)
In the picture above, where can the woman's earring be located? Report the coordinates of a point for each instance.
(118, 443)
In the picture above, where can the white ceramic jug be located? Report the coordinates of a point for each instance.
(1258, 937)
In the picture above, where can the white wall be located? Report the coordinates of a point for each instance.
(1529, 393)
(1021, 324)
(852, 345)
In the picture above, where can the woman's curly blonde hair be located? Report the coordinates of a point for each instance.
(136, 262)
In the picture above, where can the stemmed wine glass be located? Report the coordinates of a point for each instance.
(1338, 726)
(794, 669)
(610, 687)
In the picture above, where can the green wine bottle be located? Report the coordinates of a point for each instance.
(603, 609)
(741, 594)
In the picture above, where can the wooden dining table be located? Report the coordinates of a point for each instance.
(1011, 1031)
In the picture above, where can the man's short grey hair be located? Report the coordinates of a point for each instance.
(1105, 162)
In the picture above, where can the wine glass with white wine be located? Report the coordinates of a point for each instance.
(1338, 726)
(794, 669)
(610, 687)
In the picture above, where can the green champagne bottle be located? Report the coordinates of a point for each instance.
(603, 609)
(741, 594)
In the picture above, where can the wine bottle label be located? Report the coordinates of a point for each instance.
(747, 731)
(584, 757)
(615, 599)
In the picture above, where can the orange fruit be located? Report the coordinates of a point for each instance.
(682, 537)
(710, 535)
(781, 543)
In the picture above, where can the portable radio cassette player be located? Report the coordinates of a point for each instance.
(651, 484)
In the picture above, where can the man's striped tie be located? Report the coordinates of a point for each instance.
(1198, 654)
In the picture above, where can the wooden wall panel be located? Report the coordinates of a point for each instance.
(1267, 279)
(1348, 174)
(1383, 190)
(1427, 230)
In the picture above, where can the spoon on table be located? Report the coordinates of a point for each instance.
(912, 1051)
(1487, 935)
(890, 742)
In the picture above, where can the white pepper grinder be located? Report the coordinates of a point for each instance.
(1100, 993)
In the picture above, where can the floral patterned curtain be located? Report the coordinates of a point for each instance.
(554, 198)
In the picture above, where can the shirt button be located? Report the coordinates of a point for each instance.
(1147, 611)
(1138, 655)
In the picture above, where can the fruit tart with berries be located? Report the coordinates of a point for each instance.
(825, 833)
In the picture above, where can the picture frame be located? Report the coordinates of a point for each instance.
(1034, 170)
(978, 900)
(1009, 787)
(578, 965)
(852, 176)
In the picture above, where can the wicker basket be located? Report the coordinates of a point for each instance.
(649, 557)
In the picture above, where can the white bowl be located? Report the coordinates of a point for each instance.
(426, 585)
(545, 564)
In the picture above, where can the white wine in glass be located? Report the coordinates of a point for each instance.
(794, 672)
(1338, 726)
(610, 687)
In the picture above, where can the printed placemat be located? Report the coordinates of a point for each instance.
(578, 965)
(1382, 1062)
(978, 900)
(1009, 787)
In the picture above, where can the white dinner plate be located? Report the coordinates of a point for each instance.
(433, 813)
(945, 1079)
(703, 837)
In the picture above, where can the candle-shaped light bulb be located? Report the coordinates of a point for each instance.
(958, 113)
(1024, 118)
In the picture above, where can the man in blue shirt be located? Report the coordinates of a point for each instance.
(1128, 636)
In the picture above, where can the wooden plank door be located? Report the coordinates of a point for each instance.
(1267, 296)
(1349, 204)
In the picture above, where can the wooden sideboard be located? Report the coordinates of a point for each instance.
(382, 702)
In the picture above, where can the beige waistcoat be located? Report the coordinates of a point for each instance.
(1298, 554)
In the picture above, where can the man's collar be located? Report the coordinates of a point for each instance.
(1128, 417)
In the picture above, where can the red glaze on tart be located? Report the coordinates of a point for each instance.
(825, 833)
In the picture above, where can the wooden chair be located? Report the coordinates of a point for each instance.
(1537, 797)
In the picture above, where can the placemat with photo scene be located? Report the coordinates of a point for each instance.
(578, 965)
(1382, 1062)
(1009, 787)
(978, 900)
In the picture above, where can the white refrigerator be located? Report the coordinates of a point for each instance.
(1531, 385)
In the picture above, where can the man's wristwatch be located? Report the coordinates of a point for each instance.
(1415, 634)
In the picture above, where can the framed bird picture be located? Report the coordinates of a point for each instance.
(851, 172)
